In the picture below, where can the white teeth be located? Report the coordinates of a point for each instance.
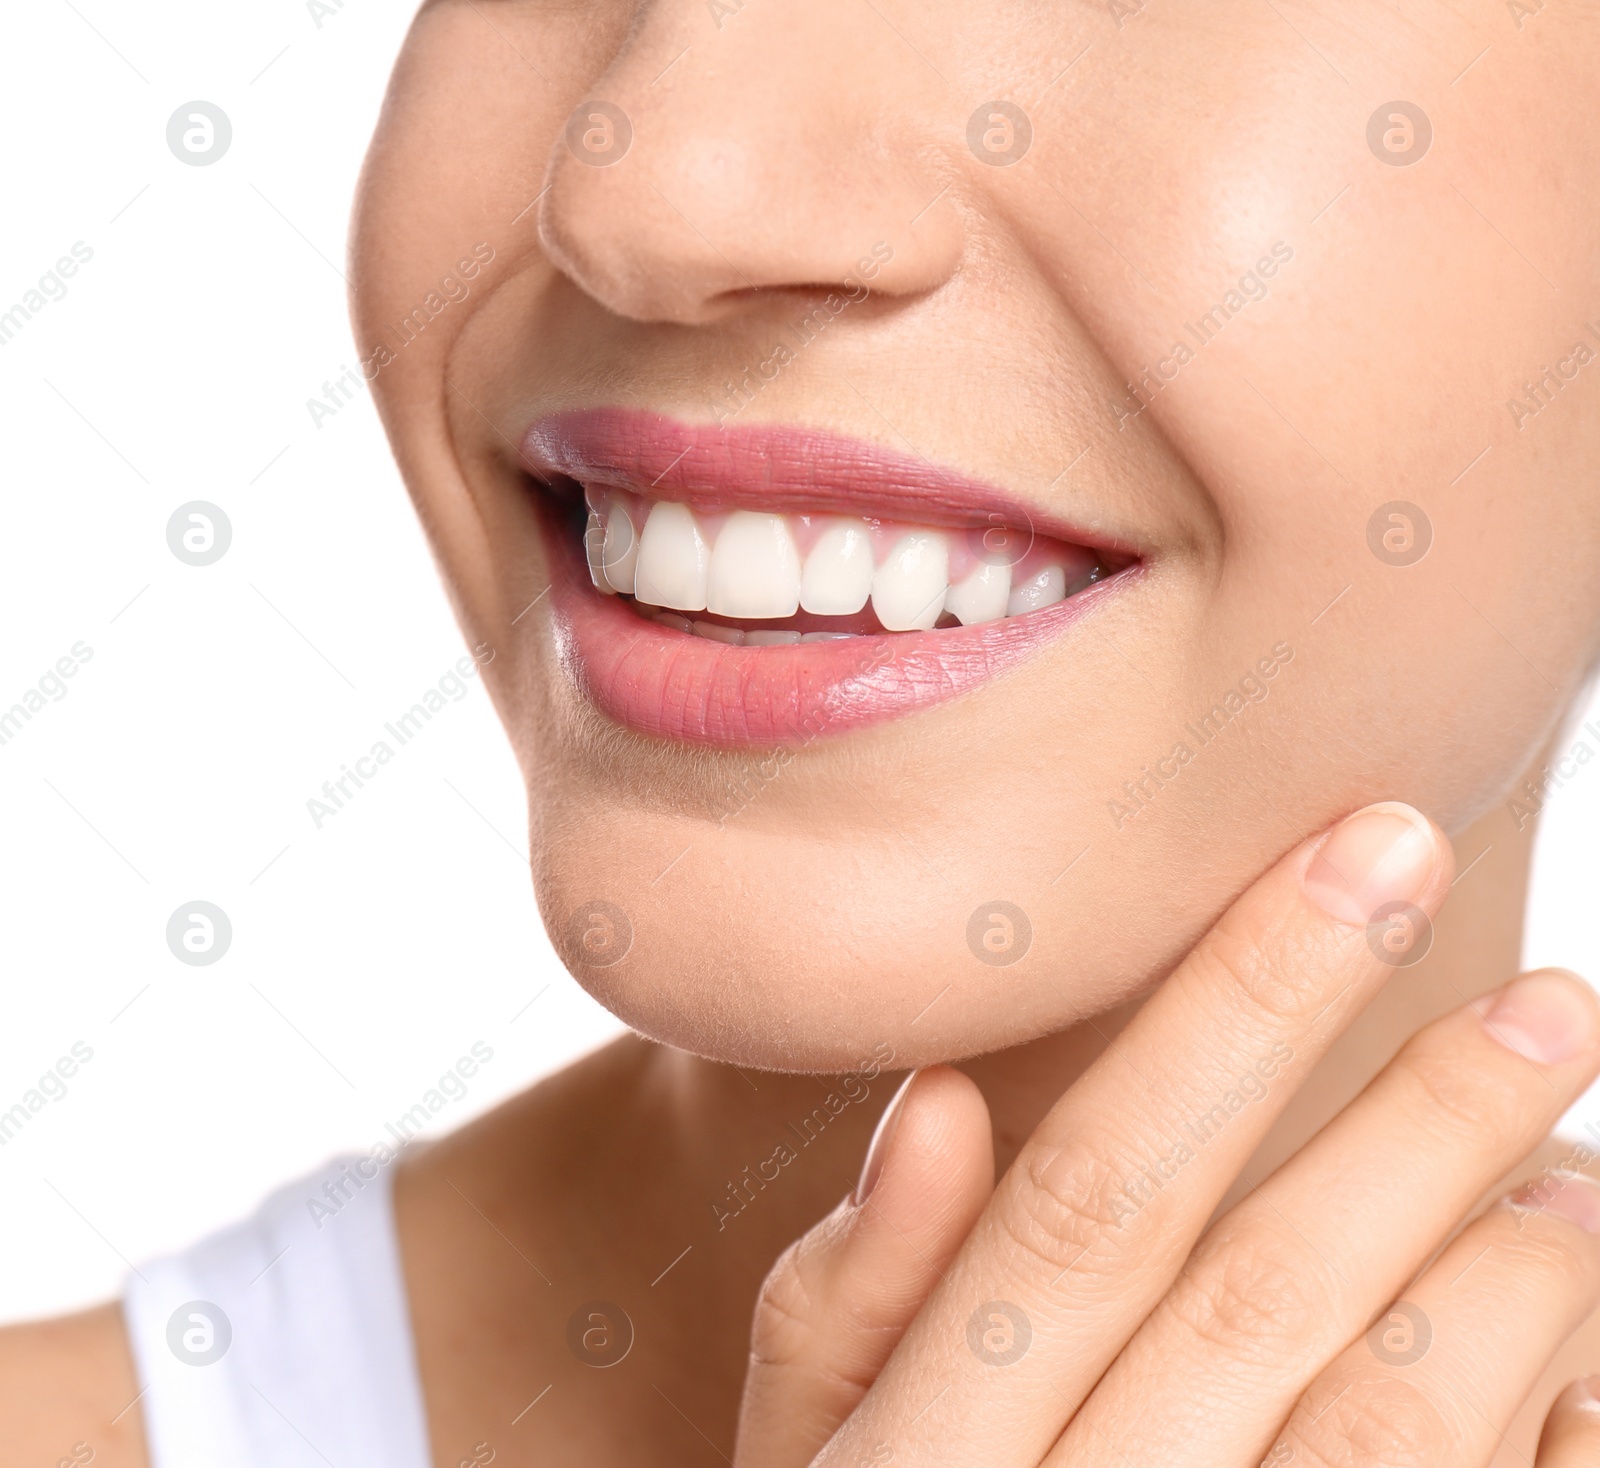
(753, 571)
(593, 538)
(838, 574)
(982, 597)
(1042, 590)
(673, 559)
(755, 568)
(734, 636)
(908, 588)
(620, 552)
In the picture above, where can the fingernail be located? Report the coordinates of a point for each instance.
(1582, 1395)
(1571, 1197)
(1385, 853)
(882, 1136)
(1545, 1017)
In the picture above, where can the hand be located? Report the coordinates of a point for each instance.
(1082, 1313)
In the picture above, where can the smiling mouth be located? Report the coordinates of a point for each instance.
(756, 584)
(755, 578)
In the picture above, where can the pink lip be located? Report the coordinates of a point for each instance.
(677, 686)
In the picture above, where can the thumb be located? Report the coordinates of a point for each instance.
(838, 1300)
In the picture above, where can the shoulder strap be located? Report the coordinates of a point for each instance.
(284, 1341)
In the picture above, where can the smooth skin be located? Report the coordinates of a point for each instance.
(1172, 147)
(1148, 1347)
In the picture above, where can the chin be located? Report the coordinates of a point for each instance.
(781, 942)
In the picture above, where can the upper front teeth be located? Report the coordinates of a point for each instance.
(837, 579)
(755, 567)
(674, 559)
(749, 565)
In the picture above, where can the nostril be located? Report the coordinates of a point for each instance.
(807, 308)
(800, 295)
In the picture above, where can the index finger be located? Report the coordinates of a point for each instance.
(1091, 1224)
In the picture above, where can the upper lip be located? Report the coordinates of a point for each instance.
(778, 468)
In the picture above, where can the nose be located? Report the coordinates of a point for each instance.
(787, 148)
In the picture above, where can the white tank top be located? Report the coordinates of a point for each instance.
(284, 1341)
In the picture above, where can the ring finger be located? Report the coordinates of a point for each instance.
(1438, 1379)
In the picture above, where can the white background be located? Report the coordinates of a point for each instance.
(369, 955)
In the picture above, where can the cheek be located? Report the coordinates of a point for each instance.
(1375, 371)
(454, 166)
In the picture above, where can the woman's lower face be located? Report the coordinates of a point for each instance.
(945, 495)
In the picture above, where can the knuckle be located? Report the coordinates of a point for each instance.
(1478, 1103)
(1247, 956)
(1255, 1297)
(1529, 1245)
(1370, 1420)
(807, 1321)
(1067, 1204)
(786, 1319)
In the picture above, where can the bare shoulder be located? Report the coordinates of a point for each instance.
(66, 1393)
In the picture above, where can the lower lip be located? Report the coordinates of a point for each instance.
(677, 686)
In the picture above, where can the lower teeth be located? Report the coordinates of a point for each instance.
(739, 636)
